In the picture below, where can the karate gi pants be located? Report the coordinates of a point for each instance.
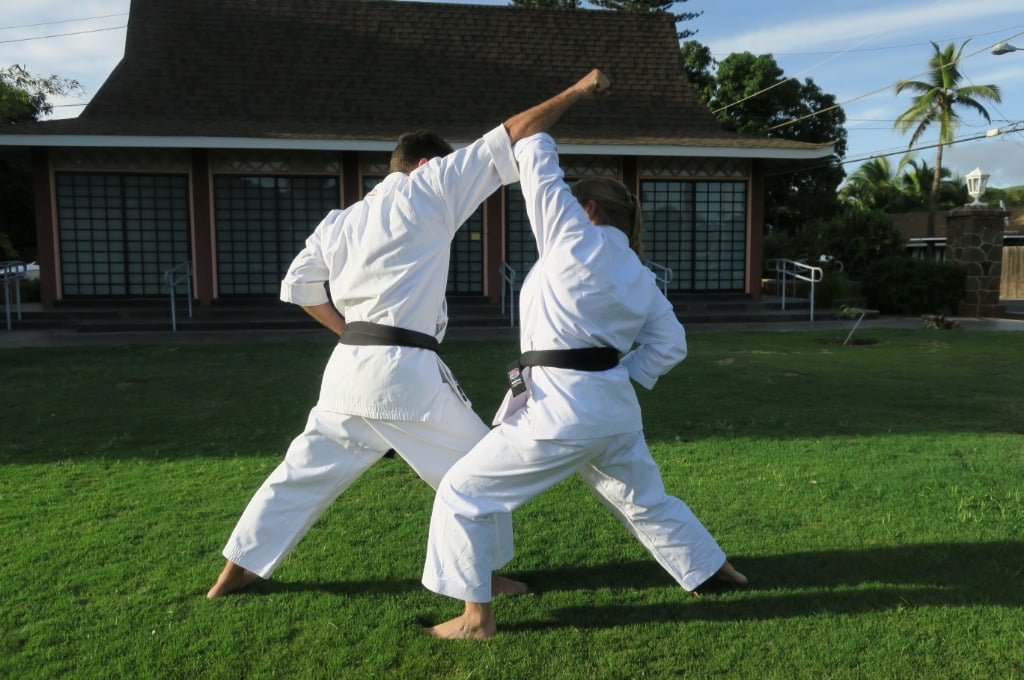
(330, 454)
(508, 467)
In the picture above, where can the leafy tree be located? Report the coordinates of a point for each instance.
(916, 183)
(937, 102)
(700, 68)
(645, 6)
(875, 185)
(552, 4)
(858, 237)
(23, 98)
(749, 94)
(634, 6)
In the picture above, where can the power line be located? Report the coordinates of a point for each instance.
(882, 89)
(61, 35)
(899, 47)
(1015, 127)
(64, 21)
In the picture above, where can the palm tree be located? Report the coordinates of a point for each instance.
(937, 101)
(874, 184)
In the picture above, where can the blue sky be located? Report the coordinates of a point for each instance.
(855, 51)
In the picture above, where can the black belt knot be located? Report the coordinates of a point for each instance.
(367, 333)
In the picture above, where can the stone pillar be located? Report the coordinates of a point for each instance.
(974, 240)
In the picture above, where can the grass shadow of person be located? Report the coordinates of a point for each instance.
(806, 583)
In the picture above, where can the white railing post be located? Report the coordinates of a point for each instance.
(172, 277)
(509, 278)
(786, 270)
(662, 274)
(12, 272)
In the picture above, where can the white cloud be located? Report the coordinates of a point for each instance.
(838, 32)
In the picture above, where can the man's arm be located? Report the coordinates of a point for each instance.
(328, 316)
(540, 118)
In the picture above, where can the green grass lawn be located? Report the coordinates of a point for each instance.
(873, 494)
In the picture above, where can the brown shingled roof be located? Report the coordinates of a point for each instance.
(367, 69)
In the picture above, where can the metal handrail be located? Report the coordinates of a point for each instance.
(662, 274)
(796, 271)
(11, 272)
(509, 279)
(172, 277)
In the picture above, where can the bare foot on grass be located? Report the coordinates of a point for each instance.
(232, 579)
(502, 585)
(728, 574)
(476, 623)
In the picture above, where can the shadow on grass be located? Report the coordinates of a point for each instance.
(805, 584)
(781, 586)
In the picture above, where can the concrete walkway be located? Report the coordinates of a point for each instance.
(64, 338)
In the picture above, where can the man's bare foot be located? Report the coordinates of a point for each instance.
(231, 579)
(502, 585)
(728, 574)
(476, 623)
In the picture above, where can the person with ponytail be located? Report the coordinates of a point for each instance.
(593, 319)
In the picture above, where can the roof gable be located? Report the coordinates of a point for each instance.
(371, 69)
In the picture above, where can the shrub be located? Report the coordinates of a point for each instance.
(835, 285)
(858, 237)
(904, 285)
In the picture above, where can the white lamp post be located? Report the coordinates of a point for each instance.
(977, 182)
(1004, 48)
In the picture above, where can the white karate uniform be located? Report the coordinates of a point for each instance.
(385, 260)
(587, 289)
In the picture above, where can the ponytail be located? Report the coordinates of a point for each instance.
(616, 207)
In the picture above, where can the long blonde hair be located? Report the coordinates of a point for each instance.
(616, 206)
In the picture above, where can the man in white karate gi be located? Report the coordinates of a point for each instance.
(385, 260)
(571, 407)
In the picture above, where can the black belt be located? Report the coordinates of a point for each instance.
(366, 333)
(586, 359)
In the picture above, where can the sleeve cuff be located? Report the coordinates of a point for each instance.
(304, 294)
(500, 148)
(639, 376)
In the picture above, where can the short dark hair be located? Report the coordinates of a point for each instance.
(412, 146)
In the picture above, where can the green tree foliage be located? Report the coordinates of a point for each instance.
(1010, 197)
(876, 185)
(23, 98)
(937, 102)
(634, 6)
(857, 238)
(904, 285)
(749, 94)
(552, 4)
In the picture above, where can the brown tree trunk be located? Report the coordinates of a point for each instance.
(933, 201)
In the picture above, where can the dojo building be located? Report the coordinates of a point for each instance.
(229, 128)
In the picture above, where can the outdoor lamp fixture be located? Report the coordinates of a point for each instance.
(977, 182)
(1004, 48)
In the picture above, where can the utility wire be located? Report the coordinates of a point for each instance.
(61, 35)
(1015, 127)
(792, 77)
(882, 89)
(64, 21)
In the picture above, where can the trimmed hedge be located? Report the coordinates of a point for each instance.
(904, 285)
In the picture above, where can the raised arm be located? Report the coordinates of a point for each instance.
(541, 117)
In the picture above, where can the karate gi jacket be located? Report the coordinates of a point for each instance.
(385, 260)
(587, 289)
